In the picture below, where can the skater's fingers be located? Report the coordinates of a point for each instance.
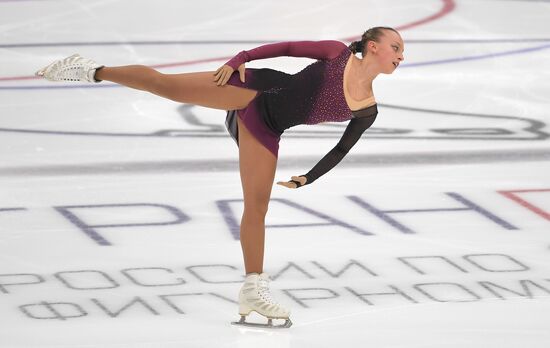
(287, 184)
(217, 75)
(224, 69)
(222, 78)
(301, 179)
(226, 78)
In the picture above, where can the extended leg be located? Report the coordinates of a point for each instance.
(192, 88)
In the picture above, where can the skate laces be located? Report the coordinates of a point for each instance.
(73, 68)
(73, 72)
(263, 291)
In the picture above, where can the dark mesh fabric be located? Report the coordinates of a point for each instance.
(356, 127)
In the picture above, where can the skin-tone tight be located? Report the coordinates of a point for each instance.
(256, 163)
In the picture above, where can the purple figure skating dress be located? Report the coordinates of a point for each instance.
(310, 96)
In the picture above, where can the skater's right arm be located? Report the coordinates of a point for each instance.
(325, 49)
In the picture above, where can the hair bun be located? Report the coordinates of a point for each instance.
(356, 46)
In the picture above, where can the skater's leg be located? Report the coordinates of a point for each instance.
(192, 88)
(257, 167)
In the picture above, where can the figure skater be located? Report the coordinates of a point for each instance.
(261, 104)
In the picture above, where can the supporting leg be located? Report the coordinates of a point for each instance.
(257, 167)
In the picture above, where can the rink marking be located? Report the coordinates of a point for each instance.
(478, 57)
(177, 64)
(250, 42)
(533, 128)
(219, 165)
(473, 282)
(511, 194)
(448, 7)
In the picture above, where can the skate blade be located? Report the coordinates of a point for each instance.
(269, 324)
(40, 72)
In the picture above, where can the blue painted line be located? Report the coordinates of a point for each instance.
(133, 43)
(405, 65)
(231, 42)
(479, 57)
(474, 41)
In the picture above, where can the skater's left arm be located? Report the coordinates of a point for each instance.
(353, 132)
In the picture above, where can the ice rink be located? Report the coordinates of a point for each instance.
(119, 210)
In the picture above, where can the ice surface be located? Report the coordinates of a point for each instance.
(119, 210)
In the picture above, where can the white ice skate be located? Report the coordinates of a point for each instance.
(73, 68)
(255, 296)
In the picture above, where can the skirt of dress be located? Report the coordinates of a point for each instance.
(253, 119)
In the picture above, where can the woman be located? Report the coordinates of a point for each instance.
(261, 104)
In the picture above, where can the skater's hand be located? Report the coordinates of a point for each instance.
(222, 75)
(291, 185)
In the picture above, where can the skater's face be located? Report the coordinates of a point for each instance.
(388, 51)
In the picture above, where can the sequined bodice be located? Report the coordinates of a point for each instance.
(311, 96)
(330, 104)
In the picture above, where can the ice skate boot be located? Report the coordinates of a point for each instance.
(73, 68)
(255, 296)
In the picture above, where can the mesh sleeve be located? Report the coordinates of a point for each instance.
(352, 134)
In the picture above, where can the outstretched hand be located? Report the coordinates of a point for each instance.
(222, 75)
(291, 185)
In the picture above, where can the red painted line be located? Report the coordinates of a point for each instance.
(524, 203)
(191, 62)
(167, 65)
(448, 6)
(19, 78)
